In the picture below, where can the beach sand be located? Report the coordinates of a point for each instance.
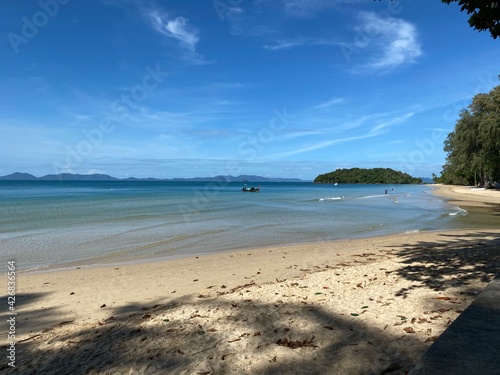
(366, 306)
(468, 196)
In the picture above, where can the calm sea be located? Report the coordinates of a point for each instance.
(52, 223)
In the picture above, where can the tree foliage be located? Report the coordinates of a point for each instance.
(367, 176)
(473, 147)
(485, 14)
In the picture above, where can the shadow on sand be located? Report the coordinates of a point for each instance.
(455, 261)
(267, 338)
(273, 341)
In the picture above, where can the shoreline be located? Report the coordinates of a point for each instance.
(358, 306)
(112, 260)
(100, 245)
(81, 264)
(467, 195)
(120, 258)
(95, 276)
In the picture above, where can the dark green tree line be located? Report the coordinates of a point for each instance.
(367, 176)
(473, 147)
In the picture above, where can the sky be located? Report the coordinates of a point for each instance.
(276, 88)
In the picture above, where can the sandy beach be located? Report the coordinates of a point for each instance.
(365, 306)
(468, 196)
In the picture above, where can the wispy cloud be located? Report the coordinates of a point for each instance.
(309, 8)
(375, 129)
(298, 133)
(262, 19)
(388, 42)
(284, 44)
(248, 21)
(178, 28)
(319, 145)
(297, 42)
(329, 103)
(384, 125)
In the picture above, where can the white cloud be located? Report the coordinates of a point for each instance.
(389, 42)
(319, 145)
(379, 128)
(329, 103)
(284, 44)
(303, 133)
(177, 28)
(397, 120)
(291, 43)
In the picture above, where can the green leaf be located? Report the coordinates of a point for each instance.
(364, 307)
(354, 314)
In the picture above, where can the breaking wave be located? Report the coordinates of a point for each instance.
(331, 199)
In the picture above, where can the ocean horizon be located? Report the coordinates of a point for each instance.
(52, 224)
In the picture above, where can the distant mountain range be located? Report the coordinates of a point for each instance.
(17, 176)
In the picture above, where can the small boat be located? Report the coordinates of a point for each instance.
(251, 190)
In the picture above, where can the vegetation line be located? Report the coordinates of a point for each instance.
(367, 176)
(473, 147)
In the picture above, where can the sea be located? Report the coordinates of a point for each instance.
(54, 224)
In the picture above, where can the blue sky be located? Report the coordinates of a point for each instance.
(283, 88)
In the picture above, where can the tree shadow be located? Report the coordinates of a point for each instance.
(454, 261)
(229, 333)
(23, 299)
(45, 317)
(221, 335)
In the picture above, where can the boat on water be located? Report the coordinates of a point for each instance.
(251, 189)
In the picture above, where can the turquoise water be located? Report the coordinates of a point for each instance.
(47, 223)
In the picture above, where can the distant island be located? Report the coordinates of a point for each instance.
(366, 176)
(17, 176)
